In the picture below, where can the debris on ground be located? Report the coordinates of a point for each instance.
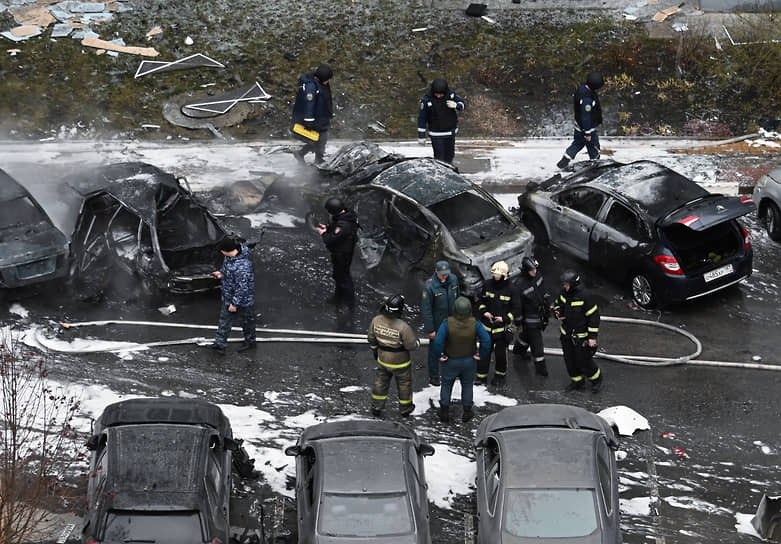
(223, 103)
(90, 41)
(197, 60)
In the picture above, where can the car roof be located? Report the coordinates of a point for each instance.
(10, 189)
(544, 415)
(548, 457)
(163, 411)
(363, 465)
(426, 181)
(357, 428)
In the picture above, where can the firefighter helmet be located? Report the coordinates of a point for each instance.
(528, 264)
(500, 268)
(334, 205)
(571, 278)
(393, 306)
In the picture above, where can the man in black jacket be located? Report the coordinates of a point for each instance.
(439, 112)
(588, 116)
(535, 308)
(339, 237)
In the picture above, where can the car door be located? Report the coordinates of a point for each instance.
(574, 215)
(410, 234)
(620, 240)
(608, 484)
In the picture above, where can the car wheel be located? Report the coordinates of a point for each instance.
(642, 291)
(773, 222)
(537, 228)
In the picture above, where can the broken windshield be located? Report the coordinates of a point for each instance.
(471, 219)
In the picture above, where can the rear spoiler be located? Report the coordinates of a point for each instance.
(708, 211)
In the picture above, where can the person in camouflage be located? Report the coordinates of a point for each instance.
(238, 295)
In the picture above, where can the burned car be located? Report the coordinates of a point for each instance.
(669, 239)
(414, 212)
(546, 473)
(135, 219)
(767, 196)
(160, 471)
(362, 481)
(32, 249)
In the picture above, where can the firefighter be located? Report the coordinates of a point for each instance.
(391, 339)
(578, 315)
(339, 237)
(497, 310)
(533, 318)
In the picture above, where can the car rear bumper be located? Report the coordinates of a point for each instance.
(676, 289)
(40, 270)
(193, 283)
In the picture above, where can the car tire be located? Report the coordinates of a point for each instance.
(536, 226)
(643, 293)
(773, 221)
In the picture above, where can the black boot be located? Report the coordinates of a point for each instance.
(575, 385)
(540, 368)
(468, 414)
(444, 414)
(596, 385)
(498, 380)
(563, 162)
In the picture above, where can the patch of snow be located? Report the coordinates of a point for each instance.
(19, 310)
(448, 474)
(279, 219)
(743, 524)
(352, 389)
(637, 506)
(481, 396)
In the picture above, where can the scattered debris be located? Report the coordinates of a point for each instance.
(664, 14)
(223, 103)
(33, 14)
(679, 452)
(167, 310)
(20, 33)
(680, 27)
(154, 32)
(421, 29)
(150, 126)
(476, 10)
(89, 41)
(188, 41)
(61, 30)
(488, 19)
(193, 61)
(13, 52)
(376, 126)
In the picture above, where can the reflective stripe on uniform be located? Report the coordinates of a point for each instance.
(592, 310)
(408, 401)
(394, 367)
(504, 298)
(580, 334)
(379, 397)
(482, 375)
(500, 329)
(596, 375)
(577, 303)
(595, 330)
(577, 378)
(497, 373)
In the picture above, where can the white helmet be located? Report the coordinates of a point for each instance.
(500, 268)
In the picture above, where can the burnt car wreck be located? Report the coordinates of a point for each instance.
(416, 211)
(134, 220)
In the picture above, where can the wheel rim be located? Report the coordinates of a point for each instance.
(641, 290)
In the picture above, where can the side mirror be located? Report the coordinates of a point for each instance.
(480, 445)
(232, 445)
(93, 442)
(426, 450)
(293, 451)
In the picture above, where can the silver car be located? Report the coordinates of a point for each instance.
(767, 197)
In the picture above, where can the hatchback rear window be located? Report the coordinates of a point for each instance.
(539, 513)
(371, 515)
(168, 527)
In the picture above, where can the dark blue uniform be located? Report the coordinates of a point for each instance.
(313, 109)
(238, 289)
(588, 116)
(442, 122)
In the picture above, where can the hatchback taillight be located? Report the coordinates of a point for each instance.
(746, 239)
(90, 541)
(669, 264)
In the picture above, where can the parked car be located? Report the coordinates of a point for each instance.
(414, 212)
(546, 473)
(767, 196)
(361, 481)
(132, 221)
(32, 249)
(644, 224)
(160, 471)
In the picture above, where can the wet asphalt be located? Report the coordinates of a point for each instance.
(712, 450)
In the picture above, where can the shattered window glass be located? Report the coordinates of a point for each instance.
(471, 219)
(582, 199)
(19, 212)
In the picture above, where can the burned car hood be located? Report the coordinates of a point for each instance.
(510, 248)
(709, 211)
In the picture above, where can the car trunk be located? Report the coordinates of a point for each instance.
(704, 250)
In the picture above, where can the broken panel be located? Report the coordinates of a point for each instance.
(223, 103)
(193, 61)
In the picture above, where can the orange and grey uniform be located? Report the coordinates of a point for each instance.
(499, 299)
(392, 339)
(581, 313)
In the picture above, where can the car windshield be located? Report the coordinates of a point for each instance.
(471, 219)
(19, 211)
(538, 513)
(168, 527)
(385, 514)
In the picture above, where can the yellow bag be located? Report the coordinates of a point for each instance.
(309, 134)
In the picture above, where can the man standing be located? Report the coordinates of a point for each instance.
(437, 303)
(339, 237)
(313, 109)
(455, 341)
(438, 111)
(535, 309)
(238, 295)
(578, 315)
(588, 116)
(391, 339)
(496, 308)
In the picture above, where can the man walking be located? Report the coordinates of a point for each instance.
(437, 303)
(391, 340)
(238, 295)
(455, 341)
(496, 310)
(313, 110)
(438, 111)
(535, 310)
(578, 315)
(339, 237)
(588, 116)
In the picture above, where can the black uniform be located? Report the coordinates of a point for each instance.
(581, 322)
(533, 318)
(340, 237)
(499, 299)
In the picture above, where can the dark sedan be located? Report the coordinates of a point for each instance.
(546, 473)
(361, 481)
(669, 239)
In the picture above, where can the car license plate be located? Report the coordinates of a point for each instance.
(718, 273)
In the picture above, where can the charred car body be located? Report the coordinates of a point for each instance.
(361, 481)
(136, 217)
(668, 238)
(767, 196)
(546, 473)
(414, 212)
(160, 472)
(32, 249)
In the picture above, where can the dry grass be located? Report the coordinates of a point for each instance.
(485, 117)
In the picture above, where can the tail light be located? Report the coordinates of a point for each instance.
(90, 541)
(669, 264)
(746, 239)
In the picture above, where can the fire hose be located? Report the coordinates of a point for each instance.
(295, 335)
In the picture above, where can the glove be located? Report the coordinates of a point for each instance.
(451, 104)
(422, 141)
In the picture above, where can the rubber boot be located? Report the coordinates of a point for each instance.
(563, 162)
(468, 414)
(444, 414)
(540, 368)
(596, 385)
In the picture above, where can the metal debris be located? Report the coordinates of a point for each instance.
(223, 103)
(193, 61)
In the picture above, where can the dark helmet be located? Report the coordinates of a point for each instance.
(324, 73)
(595, 81)
(393, 306)
(438, 86)
(462, 307)
(529, 263)
(334, 205)
(570, 277)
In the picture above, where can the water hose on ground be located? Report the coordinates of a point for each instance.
(351, 338)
